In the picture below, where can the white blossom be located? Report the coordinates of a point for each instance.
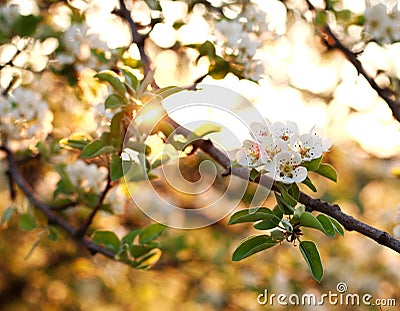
(383, 23)
(308, 147)
(252, 155)
(25, 118)
(88, 177)
(287, 169)
(116, 197)
(279, 150)
(79, 42)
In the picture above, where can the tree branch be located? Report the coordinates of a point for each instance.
(52, 218)
(332, 41)
(333, 210)
(137, 38)
(83, 229)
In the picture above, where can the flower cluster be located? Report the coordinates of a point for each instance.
(27, 52)
(79, 43)
(242, 37)
(279, 150)
(87, 177)
(383, 23)
(25, 118)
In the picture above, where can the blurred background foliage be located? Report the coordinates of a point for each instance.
(304, 82)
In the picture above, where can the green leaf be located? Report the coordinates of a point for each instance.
(90, 198)
(7, 215)
(270, 222)
(327, 225)
(168, 91)
(132, 63)
(107, 238)
(309, 184)
(203, 130)
(312, 165)
(52, 233)
(338, 227)
(343, 15)
(219, 68)
(130, 237)
(140, 250)
(164, 158)
(246, 215)
(77, 141)
(254, 174)
(96, 148)
(27, 222)
(26, 26)
(309, 220)
(150, 233)
(288, 226)
(112, 78)
(148, 260)
(130, 77)
(138, 146)
(277, 235)
(297, 213)
(154, 5)
(284, 207)
(116, 171)
(290, 200)
(294, 192)
(207, 49)
(114, 101)
(321, 17)
(116, 127)
(311, 255)
(327, 171)
(252, 245)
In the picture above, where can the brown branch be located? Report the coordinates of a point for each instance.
(83, 229)
(332, 41)
(137, 38)
(312, 204)
(52, 218)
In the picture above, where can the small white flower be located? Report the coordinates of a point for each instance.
(249, 44)
(258, 130)
(254, 70)
(117, 199)
(285, 131)
(382, 23)
(88, 177)
(308, 146)
(25, 119)
(287, 169)
(130, 155)
(318, 134)
(251, 155)
(231, 31)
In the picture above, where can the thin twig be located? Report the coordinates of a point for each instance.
(52, 218)
(332, 41)
(137, 38)
(86, 224)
